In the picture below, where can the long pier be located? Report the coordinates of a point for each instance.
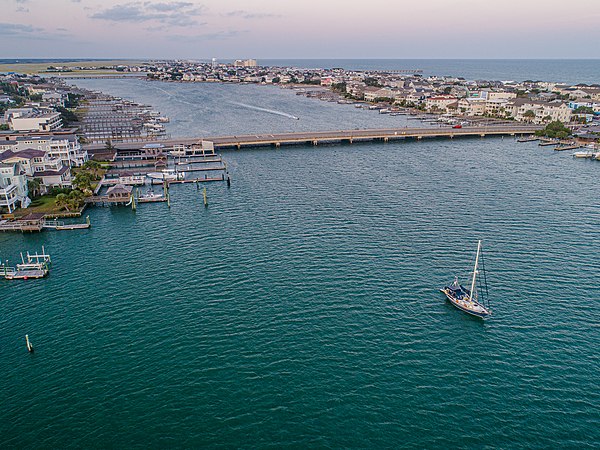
(324, 137)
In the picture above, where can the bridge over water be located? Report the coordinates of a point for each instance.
(325, 137)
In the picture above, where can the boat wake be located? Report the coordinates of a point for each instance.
(270, 111)
(173, 97)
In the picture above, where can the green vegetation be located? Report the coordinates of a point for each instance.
(583, 110)
(87, 176)
(71, 202)
(555, 130)
(339, 87)
(72, 100)
(383, 100)
(4, 126)
(370, 81)
(67, 116)
(34, 187)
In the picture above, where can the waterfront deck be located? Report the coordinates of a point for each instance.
(338, 136)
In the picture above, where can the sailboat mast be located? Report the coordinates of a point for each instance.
(475, 269)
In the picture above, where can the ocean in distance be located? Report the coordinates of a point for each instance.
(301, 308)
(571, 71)
(561, 70)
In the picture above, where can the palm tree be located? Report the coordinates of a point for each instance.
(33, 186)
(530, 115)
(62, 201)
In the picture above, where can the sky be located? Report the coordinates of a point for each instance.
(284, 29)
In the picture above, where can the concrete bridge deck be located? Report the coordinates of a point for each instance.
(317, 137)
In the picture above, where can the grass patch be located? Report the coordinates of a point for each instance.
(45, 204)
(41, 67)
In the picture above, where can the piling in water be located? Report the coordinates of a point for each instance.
(29, 346)
(205, 198)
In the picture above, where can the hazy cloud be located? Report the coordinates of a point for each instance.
(250, 15)
(24, 32)
(21, 9)
(218, 35)
(172, 13)
(17, 29)
(168, 6)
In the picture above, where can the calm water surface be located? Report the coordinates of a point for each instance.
(301, 308)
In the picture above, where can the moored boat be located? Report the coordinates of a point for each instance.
(167, 174)
(473, 300)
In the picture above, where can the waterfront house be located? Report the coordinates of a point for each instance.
(370, 93)
(13, 187)
(544, 111)
(440, 102)
(40, 165)
(65, 147)
(472, 106)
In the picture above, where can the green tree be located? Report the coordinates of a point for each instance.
(75, 199)
(370, 81)
(83, 181)
(34, 187)
(339, 87)
(62, 201)
(555, 130)
(583, 110)
(529, 115)
(66, 115)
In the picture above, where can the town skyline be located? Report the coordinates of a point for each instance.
(272, 30)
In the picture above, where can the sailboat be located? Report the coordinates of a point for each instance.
(472, 301)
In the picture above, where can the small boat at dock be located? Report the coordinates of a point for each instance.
(150, 196)
(167, 174)
(473, 300)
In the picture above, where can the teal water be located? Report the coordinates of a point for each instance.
(301, 308)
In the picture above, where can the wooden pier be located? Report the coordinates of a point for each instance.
(548, 142)
(38, 222)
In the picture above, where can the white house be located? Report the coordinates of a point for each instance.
(13, 187)
(35, 121)
(518, 108)
(65, 147)
(39, 164)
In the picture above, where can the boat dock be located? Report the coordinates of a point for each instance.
(36, 265)
(529, 139)
(561, 147)
(548, 142)
(38, 222)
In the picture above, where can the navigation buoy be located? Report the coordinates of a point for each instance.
(29, 346)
